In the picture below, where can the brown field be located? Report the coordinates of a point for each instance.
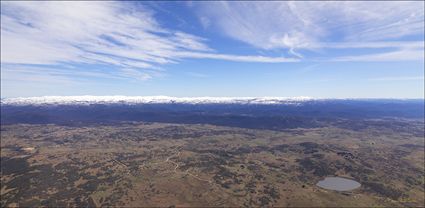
(154, 164)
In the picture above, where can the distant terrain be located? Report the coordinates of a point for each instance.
(273, 114)
(211, 153)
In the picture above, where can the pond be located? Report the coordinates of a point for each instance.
(338, 184)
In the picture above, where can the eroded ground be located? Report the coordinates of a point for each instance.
(153, 164)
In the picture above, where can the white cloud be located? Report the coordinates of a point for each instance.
(401, 55)
(38, 75)
(109, 33)
(136, 74)
(198, 75)
(367, 45)
(52, 32)
(56, 74)
(397, 78)
(263, 59)
(315, 25)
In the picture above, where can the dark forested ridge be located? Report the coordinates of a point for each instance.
(304, 115)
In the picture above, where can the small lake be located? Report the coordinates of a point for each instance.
(338, 184)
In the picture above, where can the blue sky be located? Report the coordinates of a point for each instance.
(316, 49)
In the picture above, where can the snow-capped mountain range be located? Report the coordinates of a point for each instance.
(131, 100)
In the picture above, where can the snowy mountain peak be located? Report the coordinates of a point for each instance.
(131, 100)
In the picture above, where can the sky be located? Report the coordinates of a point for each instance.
(318, 49)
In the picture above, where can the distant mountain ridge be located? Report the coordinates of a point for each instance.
(84, 100)
(259, 113)
(130, 100)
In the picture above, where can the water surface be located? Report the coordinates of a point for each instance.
(338, 184)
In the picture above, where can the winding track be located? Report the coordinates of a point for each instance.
(187, 171)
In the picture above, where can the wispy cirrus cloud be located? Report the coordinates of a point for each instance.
(99, 33)
(228, 57)
(306, 25)
(67, 74)
(399, 55)
(197, 74)
(411, 45)
(418, 78)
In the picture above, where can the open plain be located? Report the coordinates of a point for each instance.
(163, 164)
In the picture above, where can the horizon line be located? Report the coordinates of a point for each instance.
(210, 97)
